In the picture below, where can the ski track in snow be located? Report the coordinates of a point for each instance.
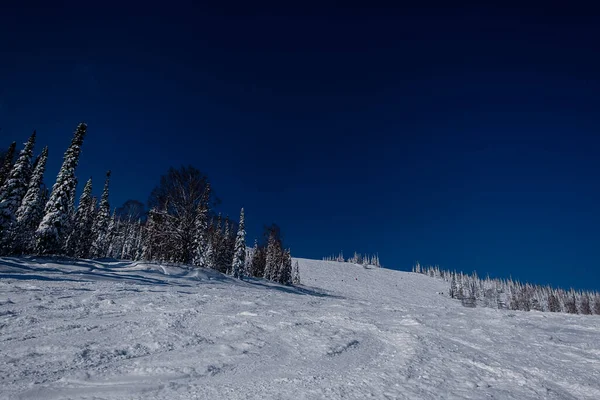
(81, 329)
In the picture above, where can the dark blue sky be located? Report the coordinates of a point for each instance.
(465, 137)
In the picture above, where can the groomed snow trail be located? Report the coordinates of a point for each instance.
(80, 329)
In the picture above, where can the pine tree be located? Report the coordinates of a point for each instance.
(227, 248)
(585, 304)
(100, 227)
(201, 230)
(29, 213)
(40, 212)
(129, 237)
(248, 262)
(137, 249)
(257, 267)
(211, 256)
(296, 274)
(51, 230)
(113, 232)
(284, 274)
(7, 163)
(70, 220)
(453, 288)
(216, 247)
(460, 294)
(597, 303)
(571, 303)
(269, 258)
(239, 257)
(553, 303)
(80, 239)
(273, 258)
(151, 237)
(13, 191)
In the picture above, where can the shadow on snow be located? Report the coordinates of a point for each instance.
(108, 269)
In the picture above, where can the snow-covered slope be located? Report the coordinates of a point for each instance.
(119, 330)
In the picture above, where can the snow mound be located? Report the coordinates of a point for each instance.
(110, 329)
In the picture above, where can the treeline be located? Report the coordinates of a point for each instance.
(509, 294)
(363, 259)
(181, 226)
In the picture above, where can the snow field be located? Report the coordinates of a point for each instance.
(80, 329)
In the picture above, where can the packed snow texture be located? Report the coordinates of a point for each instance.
(78, 329)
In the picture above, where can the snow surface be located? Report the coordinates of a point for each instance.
(80, 329)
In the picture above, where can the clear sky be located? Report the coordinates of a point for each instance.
(465, 137)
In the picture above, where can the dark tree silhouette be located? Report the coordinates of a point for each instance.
(132, 210)
(177, 198)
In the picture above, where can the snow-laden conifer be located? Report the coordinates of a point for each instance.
(273, 257)
(257, 264)
(7, 163)
(239, 257)
(80, 239)
(51, 230)
(227, 248)
(100, 227)
(13, 191)
(284, 273)
(296, 274)
(29, 213)
(201, 234)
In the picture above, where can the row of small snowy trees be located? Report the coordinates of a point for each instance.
(180, 227)
(513, 295)
(363, 259)
(271, 261)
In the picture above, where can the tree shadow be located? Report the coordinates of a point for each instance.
(34, 277)
(302, 291)
(87, 271)
(150, 273)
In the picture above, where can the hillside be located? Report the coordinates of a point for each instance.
(123, 330)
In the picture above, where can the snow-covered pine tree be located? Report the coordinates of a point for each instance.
(460, 293)
(248, 262)
(296, 273)
(123, 239)
(228, 247)
(80, 239)
(70, 220)
(13, 191)
(201, 233)
(40, 212)
(453, 288)
(584, 304)
(7, 163)
(50, 232)
(137, 250)
(284, 273)
(127, 234)
(151, 236)
(100, 227)
(257, 267)
(217, 256)
(417, 268)
(239, 256)
(596, 303)
(211, 255)
(553, 303)
(111, 238)
(271, 259)
(29, 212)
(571, 303)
